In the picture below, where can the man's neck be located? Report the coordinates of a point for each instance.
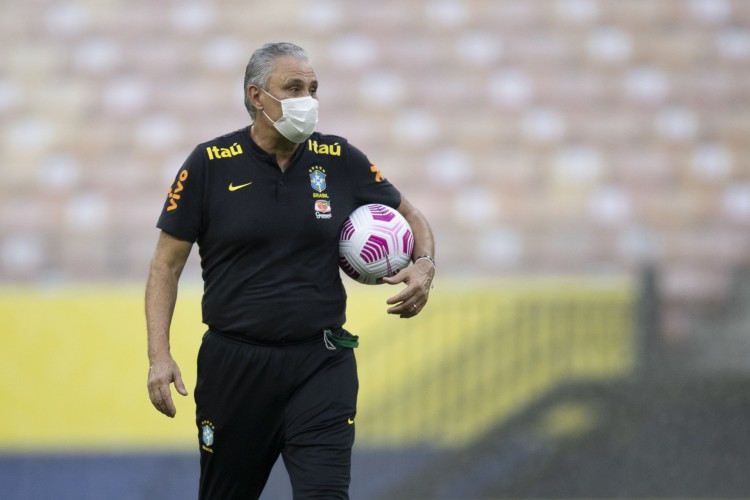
(271, 142)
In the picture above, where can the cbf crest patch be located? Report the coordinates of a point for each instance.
(207, 436)
(318, 178)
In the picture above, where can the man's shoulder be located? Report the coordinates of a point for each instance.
(224, 146)
(223, 140)
(327, 138)
(327, 145)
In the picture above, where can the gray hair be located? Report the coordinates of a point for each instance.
(259, 68)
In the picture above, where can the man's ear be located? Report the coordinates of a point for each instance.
(253, 97)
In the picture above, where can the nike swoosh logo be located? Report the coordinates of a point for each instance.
(235, 188)
(350, 421)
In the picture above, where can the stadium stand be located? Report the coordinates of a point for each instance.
(621, 122)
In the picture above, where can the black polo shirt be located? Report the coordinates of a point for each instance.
(268, 240)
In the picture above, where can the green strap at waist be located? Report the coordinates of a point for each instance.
(350, 341)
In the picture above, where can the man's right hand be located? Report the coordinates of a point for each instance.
(161, 374)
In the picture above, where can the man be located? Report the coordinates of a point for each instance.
(276, 372)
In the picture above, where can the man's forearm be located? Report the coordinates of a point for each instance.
(424, 242)
(161, 296)
(161, 291)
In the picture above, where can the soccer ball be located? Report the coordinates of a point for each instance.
(376, 241)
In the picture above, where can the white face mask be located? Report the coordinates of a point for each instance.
(299, 115)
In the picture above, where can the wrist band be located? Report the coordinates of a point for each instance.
(426, 257)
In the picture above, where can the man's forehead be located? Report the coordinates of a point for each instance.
(287, 68)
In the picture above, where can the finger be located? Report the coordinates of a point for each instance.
(407, 307)
(402, 296)
(409, 296)
(167, 406)
(416, 310)
(158, 401)
(402, 305)
(159, 405)
(399, 309)
(411, 311)
(154, 395)
(399, 277)
(179, 385)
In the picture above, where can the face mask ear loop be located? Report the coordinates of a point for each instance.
(269, 95)
(268, 117)
(264, 111)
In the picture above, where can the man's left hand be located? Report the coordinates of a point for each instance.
(413, 298)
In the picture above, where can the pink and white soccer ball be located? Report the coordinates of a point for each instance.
(376, 241)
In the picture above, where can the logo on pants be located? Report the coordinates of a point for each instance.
(207, 436)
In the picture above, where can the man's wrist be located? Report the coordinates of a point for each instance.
(431, 260)
(159, 354)
(428, 258)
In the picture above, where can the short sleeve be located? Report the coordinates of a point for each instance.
(369, 184)
(181, 215)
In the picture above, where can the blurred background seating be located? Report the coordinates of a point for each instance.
(562, 136)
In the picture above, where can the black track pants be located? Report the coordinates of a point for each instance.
(255, 402)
